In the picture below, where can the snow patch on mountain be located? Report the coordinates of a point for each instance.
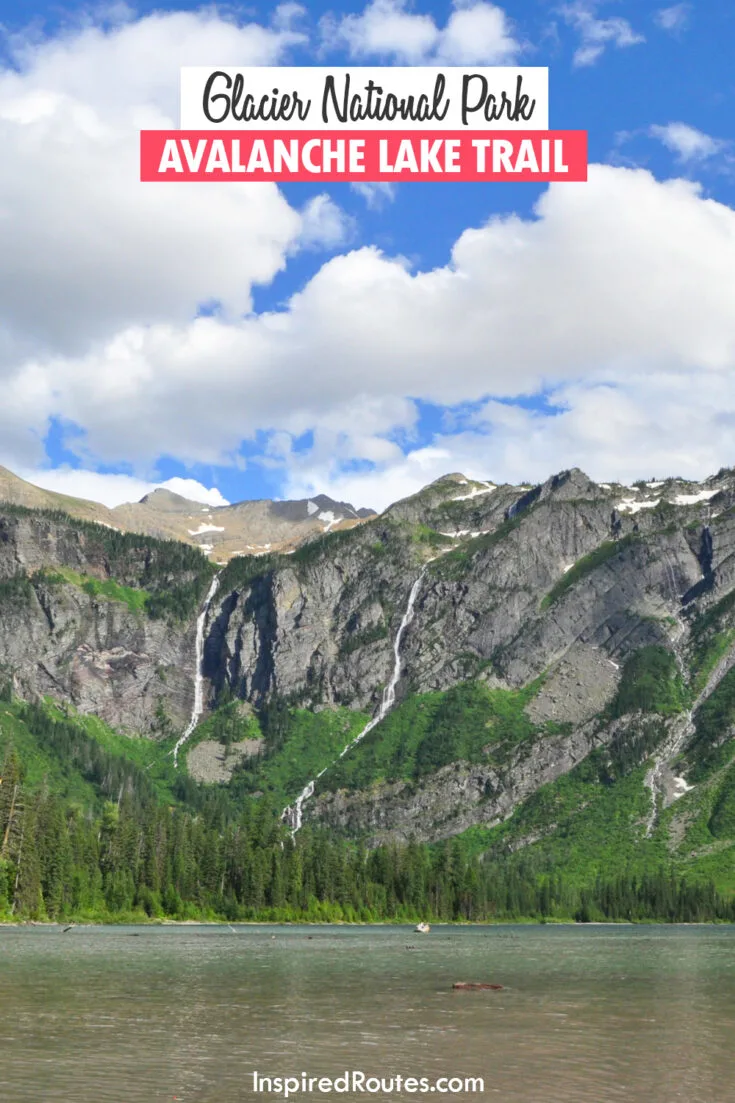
(484, 488)
(692, 499)
(629, 505)
(205, 528)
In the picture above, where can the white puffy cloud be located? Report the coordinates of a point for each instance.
(596, 34)
(609, 284)
(130, 68)
(652, 425)
(194, 490)
(383, 29)
(112, 490)
(387, 482)
(85, 248)
(475, 33)
(324, 225)
(655, 423)
(688, 143)
(610, 279)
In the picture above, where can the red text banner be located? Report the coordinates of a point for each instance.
(371, 157)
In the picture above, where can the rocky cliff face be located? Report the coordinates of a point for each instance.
(319, 627)
(564, 581)
(99, 656)
(558, 584)
(59, 638)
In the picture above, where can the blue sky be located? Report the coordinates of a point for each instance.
(277, 343)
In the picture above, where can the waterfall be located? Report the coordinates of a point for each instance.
(681, 731)
(293, 815)
(198, 708)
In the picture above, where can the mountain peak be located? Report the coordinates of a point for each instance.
(161, 498)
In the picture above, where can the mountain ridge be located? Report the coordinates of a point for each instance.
(248, 527)
(571, 638)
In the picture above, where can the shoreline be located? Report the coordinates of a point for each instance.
(147, 922)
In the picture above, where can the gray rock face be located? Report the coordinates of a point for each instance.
(99, 656)
(212, 763)
(58, 640)
(576, 688)
(564, 579)
(321, 631)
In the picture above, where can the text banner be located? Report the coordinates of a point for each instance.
(353, 156)
(364, 98)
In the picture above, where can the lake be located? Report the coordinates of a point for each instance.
(587, 1013)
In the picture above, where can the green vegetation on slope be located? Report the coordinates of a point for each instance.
(242, 570)
(712, 635)
(133, 857)
(179, 602)
(588, 823)
(174, 575)
(353, 641)
(79, 757)
(297, 745)
(468, 722)
(454, 564)
(41, 762)
(109, 589)
(722, 820)
(650, 682)
(15, 591)
(87, 833)
(712, 746)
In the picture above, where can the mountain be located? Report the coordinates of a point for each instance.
(245, 528)
(543, 673)
(18, 492)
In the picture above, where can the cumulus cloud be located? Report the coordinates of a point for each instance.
(324, 225)
(688, 143)
(649, 425)
(596, 34)
(615, 277)
(80, 234)
(475, 33)
(112, 490)
(607, 286)
(388, 482)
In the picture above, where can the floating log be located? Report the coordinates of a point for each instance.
(467, 986)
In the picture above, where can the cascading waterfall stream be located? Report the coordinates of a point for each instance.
(198, 708)
(682, 730)
(294, 814)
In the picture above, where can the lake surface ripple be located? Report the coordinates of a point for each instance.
(587, 1014)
